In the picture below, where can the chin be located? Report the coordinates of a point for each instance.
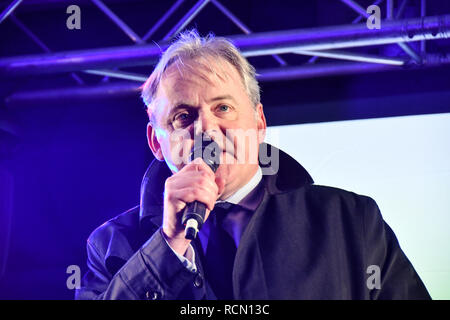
(224, 172)
(233, 174)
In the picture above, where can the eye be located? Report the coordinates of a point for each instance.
(181, 116)
(182, 119)
(223, 108)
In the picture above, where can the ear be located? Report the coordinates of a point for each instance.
(153, 142)
(261, 123)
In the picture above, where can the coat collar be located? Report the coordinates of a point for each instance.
(290, 175)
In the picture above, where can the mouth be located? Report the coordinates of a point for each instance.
(229, 153)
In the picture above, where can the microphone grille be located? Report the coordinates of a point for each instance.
(209, 151)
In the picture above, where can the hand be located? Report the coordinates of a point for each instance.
(194, 182)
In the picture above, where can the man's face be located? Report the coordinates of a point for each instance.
(197, 100)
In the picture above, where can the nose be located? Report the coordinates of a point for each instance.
(206, 123)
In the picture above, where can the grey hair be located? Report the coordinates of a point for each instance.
(190, 46)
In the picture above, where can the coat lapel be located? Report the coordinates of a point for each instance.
(249, 278)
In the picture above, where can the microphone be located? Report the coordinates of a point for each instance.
(194, 213)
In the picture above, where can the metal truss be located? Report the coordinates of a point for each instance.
(321, 42)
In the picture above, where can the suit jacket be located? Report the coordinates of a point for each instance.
(304, 241)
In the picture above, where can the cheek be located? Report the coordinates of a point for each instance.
(178, 149)
(242, 146)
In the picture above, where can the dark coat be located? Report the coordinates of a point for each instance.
(304, 241)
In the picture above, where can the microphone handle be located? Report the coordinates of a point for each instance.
(193, 218)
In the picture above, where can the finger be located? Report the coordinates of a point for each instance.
(199, 165)
(191, 194)
(192, 179)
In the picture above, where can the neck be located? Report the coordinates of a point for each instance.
(242, 190)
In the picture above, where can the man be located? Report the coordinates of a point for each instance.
(292, 239)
